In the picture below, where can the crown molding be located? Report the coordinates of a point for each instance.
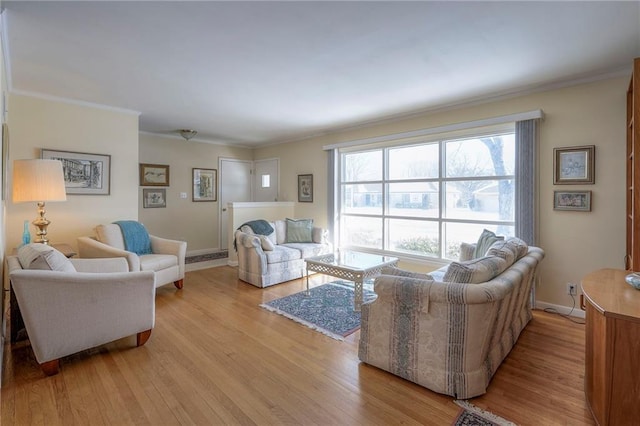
(46, 97)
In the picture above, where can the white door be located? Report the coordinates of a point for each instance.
(266, 180)
(235, 186)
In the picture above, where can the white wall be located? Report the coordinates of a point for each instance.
(36, 123)
(575, 242)
(183, 219)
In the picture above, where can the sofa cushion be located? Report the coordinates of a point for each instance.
(273, 236)
(307, 249)
(486, 239)
(43, 256)
(111, 235)
(475, 271)
(299, 230)
(281, 253)
(157, 262)
(317, 235)
(281, 231)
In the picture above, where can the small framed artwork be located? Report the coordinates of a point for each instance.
(305, 188)
(154, 175)
(572, 200)
(84, 174)
(574, 165)
(154, 198)
(204, 184)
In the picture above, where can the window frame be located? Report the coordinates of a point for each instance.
(385, 182)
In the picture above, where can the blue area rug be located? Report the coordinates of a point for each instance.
(327, 308)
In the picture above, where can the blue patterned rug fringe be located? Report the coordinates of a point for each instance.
(474, 416)
(328, 308)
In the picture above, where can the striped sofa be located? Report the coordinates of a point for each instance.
(449, 337)
(276, 261)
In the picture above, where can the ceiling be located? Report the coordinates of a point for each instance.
(252, 73)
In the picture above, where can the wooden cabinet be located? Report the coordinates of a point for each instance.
(612, 359)
(632, 260)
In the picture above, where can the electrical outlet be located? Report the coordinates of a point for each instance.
(572, 290)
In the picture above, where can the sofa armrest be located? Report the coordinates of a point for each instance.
(112, 264)
(250, 252)
(417, 329)
(166, 246)
(91, 248)
(68, 312)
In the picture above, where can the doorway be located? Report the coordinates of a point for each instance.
(242, 181)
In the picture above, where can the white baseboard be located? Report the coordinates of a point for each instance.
(564, 310)
(233, 263)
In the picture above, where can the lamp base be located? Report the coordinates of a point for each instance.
(41, 224)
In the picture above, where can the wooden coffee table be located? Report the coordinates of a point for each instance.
(352, 266)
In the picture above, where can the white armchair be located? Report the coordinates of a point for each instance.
(167, 259)
(65, 312)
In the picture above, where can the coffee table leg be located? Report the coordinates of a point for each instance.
(357, 296)
(308, 280)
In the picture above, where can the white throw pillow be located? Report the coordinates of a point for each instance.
(43, 256)
(504, 250)
(247, 229)
(267, 244)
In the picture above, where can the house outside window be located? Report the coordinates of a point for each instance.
(423, 199)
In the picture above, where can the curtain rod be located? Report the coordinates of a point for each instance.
(529, 115)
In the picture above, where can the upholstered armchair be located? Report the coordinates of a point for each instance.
(70, 305)
(166, 259)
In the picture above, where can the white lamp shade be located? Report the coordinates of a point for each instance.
(38, 180)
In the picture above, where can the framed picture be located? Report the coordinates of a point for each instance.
(572, 200)
(574, 165)
(84, 174)
(305, 188)
(204, 184)
(154, 175)
(154, 198)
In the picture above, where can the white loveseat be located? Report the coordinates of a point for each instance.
(449, 331)
(265, 260)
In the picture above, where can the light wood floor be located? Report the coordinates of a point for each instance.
(215, 357)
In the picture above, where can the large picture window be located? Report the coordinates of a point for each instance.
(424, 199)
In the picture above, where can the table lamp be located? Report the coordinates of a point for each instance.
(40, 181)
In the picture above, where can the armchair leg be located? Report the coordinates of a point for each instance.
(179, 284)
(142, 337)
(50, 368)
